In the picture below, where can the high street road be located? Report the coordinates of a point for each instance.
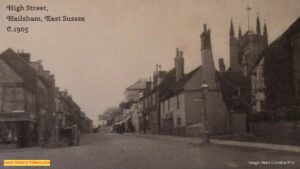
(106, 150)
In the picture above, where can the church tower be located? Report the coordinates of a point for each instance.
(234, 47)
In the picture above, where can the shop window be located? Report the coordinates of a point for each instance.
(8, 99)
(19, 99)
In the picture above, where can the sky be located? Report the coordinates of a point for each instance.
(121, 41)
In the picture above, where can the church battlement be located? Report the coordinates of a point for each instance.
(245, 49)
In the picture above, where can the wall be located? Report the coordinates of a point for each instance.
(135, 120)
(258, 86)
(278, 133)
(132, 94)
(296, 63)
(217, 114)
(234, 50)
(173, 114)
(193, 107)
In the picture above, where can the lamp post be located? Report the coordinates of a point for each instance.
(204, 89)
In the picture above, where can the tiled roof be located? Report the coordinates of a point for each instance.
(139, 85)
(288, 34)
(168, 79)
(235, 68)
(234, 79)
(21, 67)
(44, 76)
(229, 82)
(177, 86)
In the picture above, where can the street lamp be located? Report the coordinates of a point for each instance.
(204, 89)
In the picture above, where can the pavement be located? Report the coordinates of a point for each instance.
(106, 150)
(288, 148)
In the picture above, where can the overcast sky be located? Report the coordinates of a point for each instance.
(122, 40)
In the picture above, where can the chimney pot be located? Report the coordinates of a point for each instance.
(25, 56)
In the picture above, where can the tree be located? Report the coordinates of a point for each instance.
(110, 115)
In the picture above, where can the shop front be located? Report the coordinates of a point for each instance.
(18, 128)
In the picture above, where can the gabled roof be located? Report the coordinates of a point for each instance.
(235, 68)
(21, 67)
(234, 79)
(44, 75)
(168, 79)
(138, 85)
(37, 66)
(288, 34)
(229, 82)
(178, 86)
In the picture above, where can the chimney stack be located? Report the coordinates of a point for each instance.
(222, 66)
(208, 66)
(65, 93)
(25, 56)
(205, 38)
(179, 64)
(149, 84)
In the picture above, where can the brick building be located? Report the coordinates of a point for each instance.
(30, 104)
(18, 90)
(281, 70)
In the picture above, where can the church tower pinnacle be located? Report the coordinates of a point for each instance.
(234, 46)
(265, 33)
(258, 29)
(231, 29)
(240, 32)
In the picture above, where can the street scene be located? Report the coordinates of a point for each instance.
(195, 84)
(108, 150)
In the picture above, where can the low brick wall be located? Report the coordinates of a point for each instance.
(280, 132)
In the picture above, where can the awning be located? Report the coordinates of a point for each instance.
(17, 116)
(17, 120)
(120, 122)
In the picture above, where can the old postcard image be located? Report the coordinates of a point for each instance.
(150, 84)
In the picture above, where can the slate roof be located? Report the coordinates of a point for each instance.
(21, 67)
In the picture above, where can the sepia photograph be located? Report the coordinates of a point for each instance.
(150, 84)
